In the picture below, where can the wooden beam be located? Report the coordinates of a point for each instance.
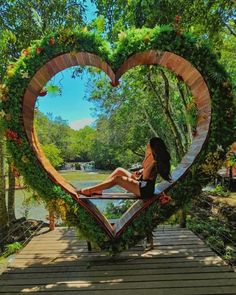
(112, 196)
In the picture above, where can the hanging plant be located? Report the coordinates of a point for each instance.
(43, 92)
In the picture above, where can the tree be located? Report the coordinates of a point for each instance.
(213, 20)
(53, 154)
(20, 23)
(149, 102)
(3, 208)
(11, 191)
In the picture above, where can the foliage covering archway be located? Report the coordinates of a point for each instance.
(165, 38)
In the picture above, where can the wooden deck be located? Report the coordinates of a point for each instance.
(58, 263)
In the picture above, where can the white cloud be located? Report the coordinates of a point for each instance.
(81, 123)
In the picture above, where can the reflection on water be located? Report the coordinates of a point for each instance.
(37, 211)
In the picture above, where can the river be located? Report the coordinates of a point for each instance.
(78, 178)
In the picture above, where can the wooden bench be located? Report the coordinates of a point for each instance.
(112, 196)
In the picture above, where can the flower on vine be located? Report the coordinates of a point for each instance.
(38, 50)
(164, 199)
(12, 135)
(2, 114)
(219, 148)
(122, 36)
(24, 159)
(43, 92)
(85, 30)
(8, 117)
(177, 19)
(10, 70)
(52, 41)
(3, 88)
(25, 52)
(3, 92)
(146, 38)
(15, 171)
(73, 53)
(24, 74)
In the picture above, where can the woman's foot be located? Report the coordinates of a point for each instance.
(89, 192)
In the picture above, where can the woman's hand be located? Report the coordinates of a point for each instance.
(136, 175)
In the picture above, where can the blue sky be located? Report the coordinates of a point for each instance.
(71, 105)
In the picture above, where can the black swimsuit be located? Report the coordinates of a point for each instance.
(146, 187)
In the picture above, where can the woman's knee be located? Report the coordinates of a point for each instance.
(119, 170)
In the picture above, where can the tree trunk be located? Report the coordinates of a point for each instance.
(182, 218)
(3, 208)
(165, 107)
(174, 128)
(181, 92)
(148, 120)
(11, 193)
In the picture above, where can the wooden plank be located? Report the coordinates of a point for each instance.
(166, 291)
(51, 262)
(176, 265)
(158, 255)
(151, 260)
(157, 242)
(127, 272)
(40, 278)
(158, 238)
(228, 278)
(119, 285)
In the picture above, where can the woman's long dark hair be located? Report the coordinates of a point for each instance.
(162, 156)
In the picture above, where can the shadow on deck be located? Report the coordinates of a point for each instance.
(57, 261)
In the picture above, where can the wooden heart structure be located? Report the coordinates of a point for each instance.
(29, 75)
(175, 63)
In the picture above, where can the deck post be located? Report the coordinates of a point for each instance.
(52, 220)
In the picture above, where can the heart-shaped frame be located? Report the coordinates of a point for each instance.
(170, 60)
(66, 49)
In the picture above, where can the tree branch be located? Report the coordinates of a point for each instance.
(229, 28)
(149, 123)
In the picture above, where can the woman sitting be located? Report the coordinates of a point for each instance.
(141, 183)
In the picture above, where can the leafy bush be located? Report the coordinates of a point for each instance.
(216, 235)
(220, 190)
(116, 211)
(12, 248)
(77, 166)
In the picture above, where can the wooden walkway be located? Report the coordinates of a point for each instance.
(58, 263)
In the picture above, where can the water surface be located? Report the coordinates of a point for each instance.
(78, 179)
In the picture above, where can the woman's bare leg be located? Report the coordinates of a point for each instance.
(119, 171)
(128, 183)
